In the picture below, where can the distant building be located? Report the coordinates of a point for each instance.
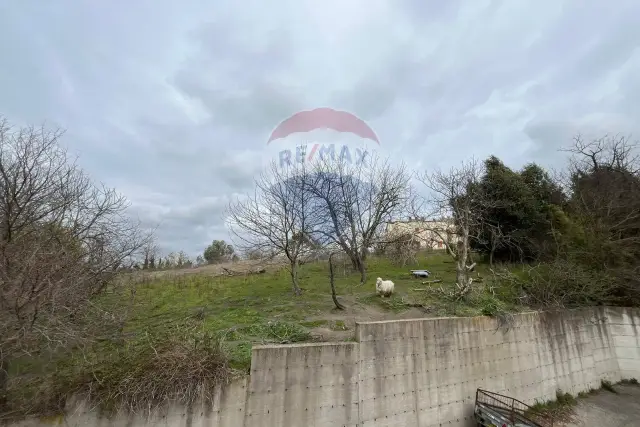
(427, 234)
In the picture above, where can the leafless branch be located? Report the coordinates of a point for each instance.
(278, 218)
(456, 195)
(62, 241)
(354, 202)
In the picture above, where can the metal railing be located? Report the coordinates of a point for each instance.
(511, 410)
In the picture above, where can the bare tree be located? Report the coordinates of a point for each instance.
(183, 260)
(457, 194)
(605, 187)
(150, 252)
(171, 260)
(276, 218)
(608, 152)
(62, 241)
(403, 247)
(496, 239)
(354, 202)
(605, 202)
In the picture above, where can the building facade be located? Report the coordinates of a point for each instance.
(426, 234)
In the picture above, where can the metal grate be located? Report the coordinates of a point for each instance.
(508, 410)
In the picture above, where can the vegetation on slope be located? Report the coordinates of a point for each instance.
(188, 332)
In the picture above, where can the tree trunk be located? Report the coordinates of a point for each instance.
(334, 297)
(354, 262)
(358, 264)
(294, 278)
(463, 254)
(461, 274)
(494, 246)
(363, 271)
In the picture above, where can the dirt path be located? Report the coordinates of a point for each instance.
(357, 312)
(609, 409)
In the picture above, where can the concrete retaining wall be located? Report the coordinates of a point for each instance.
(303, 385)
(426, 372)
(625, 332)
(409, 373)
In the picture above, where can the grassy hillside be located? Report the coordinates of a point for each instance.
(260, 307)
(185, 314)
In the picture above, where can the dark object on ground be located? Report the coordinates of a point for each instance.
(420, 273)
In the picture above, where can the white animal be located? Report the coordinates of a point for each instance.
(384, 287)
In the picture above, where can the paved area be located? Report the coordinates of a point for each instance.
(609, 409)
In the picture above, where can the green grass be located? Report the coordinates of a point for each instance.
(559, 408)
(238, 312)
(339, 325)
(225, 303)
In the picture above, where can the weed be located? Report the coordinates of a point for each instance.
(629, 381)
(180, 365)
(561, 407)
(314, 323)
(490, 305)
(239, 354)
(339, 325)
(565, 399)
(606, 385)
(277, 332)
(163, 369)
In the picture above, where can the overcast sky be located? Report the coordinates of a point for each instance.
(172, 101)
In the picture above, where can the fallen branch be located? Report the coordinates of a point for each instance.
(228, 272)
(427, 282)
(457, 294)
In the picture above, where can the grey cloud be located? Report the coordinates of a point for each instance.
(421, 11)
(238, 82)
(368, 100)
(190, 224)
(239, 169)
(550, 137)
(172, 103)
(556, 133)
(261, 106)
